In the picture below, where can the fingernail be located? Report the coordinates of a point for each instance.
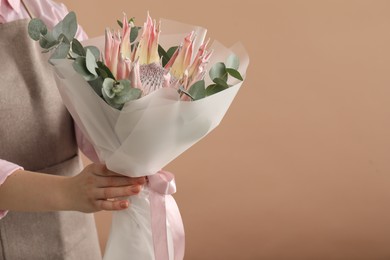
(135, 188)
(124, 204)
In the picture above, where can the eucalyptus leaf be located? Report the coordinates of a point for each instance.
(36, 28)
(233, 62)
(102, 73)
(95, 51)
(102, 67)
(218, 70)
(119, 88)
(78, 48)
(234, 73)
(80, 67)
(45, 43)
(68, 26)
(108, 85)
(48, 41)
(110, 101)
(61, 52)
(198, 90)
(125, 83)
(91, 62)
(131, 94)
(220, 82)
(96, 85)
(62, 38)
(214, 88)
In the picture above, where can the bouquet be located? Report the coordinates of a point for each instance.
(142, 96)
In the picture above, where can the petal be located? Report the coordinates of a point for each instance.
(167, 80)
(184, 56)
(153, 45)
(197, 60)
(108, 47)
(125, 45)
(115, 54)
(143, 47)
(135, 78)
(125, 24)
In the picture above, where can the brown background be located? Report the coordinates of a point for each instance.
(299, 168)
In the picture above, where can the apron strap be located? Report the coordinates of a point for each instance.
(27, 9)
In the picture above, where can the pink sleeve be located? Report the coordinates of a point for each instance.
(6, 169)
(49, 11)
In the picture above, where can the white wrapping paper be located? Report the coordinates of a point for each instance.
(145, 136)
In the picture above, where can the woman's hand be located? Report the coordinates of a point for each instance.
(97, 188)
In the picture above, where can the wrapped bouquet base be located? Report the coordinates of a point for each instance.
(145, 134)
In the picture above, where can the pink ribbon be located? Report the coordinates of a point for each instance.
(163, 206)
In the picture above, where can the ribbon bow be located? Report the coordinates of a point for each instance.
(163, 207)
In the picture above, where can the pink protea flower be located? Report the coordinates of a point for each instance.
(141, 64)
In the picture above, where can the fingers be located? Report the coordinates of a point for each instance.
(117, 192)
(118, 181)
(107, 190)
(101, 170)
(112, 198)
(112, 205)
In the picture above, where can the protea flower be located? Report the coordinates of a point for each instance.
(139, 61)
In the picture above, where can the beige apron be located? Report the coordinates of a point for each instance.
(37, 133)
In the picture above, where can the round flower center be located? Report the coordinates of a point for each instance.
(152, 77)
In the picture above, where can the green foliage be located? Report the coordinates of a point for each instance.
(48, 42)
(165, 56)
(220, 82)
(197, 90)
(78, 48)
(104, 71)
(117, 93)
(234, 73)
(80, 66)
(36, 28)
(220, 72)
(67, 27)
(91, 62)
(214, 88)
(61, 51)
(131, 20)
(96, 85)
(86, 59)
(59, 39)
(233, 62)
(94, 50)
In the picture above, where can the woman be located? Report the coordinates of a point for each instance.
(43, 185)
